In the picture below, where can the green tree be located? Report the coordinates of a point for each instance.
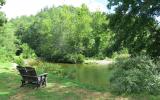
(133, 23)
(7, 38)
(100, 33)
(64, 32)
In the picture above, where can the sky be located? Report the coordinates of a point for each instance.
(15, 8)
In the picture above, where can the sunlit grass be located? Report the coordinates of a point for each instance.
(4, 93)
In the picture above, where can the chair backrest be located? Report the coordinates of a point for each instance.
(22, 71)
(31, 72)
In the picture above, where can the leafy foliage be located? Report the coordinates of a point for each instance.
(135, 75)
(135, 26)
(27, 52)
(64, 32)
(7, 46)
(73, 58)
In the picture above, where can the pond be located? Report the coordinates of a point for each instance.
(95, 75)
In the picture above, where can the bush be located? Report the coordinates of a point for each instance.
(135, 75)
(32, 62)
(100, 56)
(74, 58)
(6, 55)
(19, 60)
(27, 52)
(66, 58)
(25, 57)
(120, 54)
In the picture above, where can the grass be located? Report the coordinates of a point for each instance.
(57, 89)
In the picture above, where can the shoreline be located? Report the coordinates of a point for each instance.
(101, 62)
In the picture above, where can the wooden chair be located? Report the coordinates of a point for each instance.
(29, 76)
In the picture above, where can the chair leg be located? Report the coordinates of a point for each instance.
(38, 84)
(45, 82)
(22, 84)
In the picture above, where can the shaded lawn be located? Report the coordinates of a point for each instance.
(57, 89)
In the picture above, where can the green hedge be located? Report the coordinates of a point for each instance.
(135, 75)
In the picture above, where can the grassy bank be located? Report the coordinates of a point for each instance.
(58, 88)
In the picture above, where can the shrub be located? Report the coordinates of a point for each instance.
(80, 58)
(135, 75)
(100, 56)
(74, 58)
(25, 58)
(32, 62)
(66, 58)
(120, 54)
(27, 52)
(19, 60)
(6, 55)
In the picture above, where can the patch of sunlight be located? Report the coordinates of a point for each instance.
(50, 85)
(4, 93)
(4, 70)
(5, 64)
(68, 84)
(55, 87)
(62, 86)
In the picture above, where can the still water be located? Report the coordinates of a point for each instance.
(91, 74)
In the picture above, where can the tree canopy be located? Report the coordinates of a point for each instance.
(7, 37)
(135, 26)
(59, 33)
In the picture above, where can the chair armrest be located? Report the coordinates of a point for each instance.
(28, 76)
(44, 74)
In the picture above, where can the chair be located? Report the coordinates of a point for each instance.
(29, 76)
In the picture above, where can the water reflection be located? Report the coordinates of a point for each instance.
(91, 74)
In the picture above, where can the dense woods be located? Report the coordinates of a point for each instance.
(68, 34)
(64, 33)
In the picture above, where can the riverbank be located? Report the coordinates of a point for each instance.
(101, 62)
